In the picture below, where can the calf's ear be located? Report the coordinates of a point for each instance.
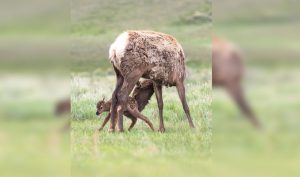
(138, 84)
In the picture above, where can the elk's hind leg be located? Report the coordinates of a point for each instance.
(181, 93)
(160, 103)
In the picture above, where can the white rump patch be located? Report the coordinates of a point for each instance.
(117, 49)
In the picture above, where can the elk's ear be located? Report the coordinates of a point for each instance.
(103, 98)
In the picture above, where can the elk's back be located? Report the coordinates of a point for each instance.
(159, 56)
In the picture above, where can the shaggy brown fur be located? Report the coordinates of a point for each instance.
(227, 72)
(141, 95)
(150, 55)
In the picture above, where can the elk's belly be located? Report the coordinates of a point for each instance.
(162, 75)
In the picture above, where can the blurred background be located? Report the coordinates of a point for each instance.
(34, 75)
(267, 32)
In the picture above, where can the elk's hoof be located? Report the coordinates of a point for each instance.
(193, 127)
(259, 127)
(162, 129)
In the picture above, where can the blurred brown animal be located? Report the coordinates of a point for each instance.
(63, 107)
(141, 95)
(227, 72)
(149, 55)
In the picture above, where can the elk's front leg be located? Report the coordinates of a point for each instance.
(104, 122)
(114, 104)
(160, 103)
(123, 95)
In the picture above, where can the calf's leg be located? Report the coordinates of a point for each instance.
(139, 115)
(104, 122)
(133, 121)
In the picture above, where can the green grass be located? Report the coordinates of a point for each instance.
(34, 147)
(176, 152)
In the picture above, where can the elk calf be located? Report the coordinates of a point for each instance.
(141, 95)
(227, 72)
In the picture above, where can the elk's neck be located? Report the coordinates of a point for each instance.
(143, 97)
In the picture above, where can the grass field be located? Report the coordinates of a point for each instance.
(35, 147)
(160, 153)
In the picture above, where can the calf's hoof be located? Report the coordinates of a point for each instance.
(111, 130)
(100, 129)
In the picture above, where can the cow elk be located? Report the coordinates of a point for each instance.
(227, 72)
(149, 55)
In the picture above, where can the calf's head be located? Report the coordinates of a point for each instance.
(102, 106)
